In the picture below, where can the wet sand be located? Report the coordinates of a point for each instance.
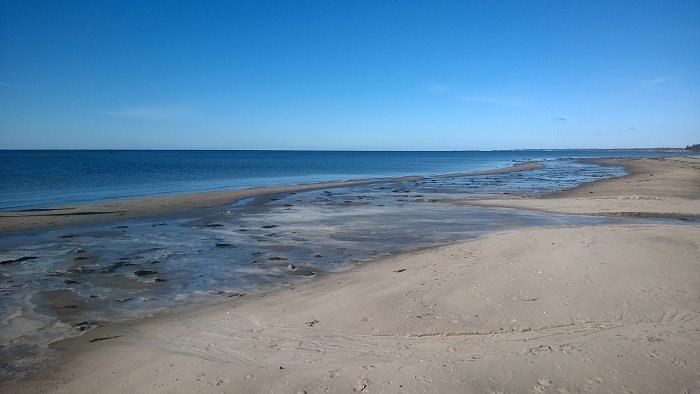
(169, 205)
(663, 187)
(590, 308)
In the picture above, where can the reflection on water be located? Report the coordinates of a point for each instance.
(58, 282)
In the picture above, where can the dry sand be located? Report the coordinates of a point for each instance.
(601, 309)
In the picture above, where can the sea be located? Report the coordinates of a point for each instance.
(50, 178)
(62, 281)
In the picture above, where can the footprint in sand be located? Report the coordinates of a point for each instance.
(541, 385)
(592, 383)
(680, 363)
(360, 384)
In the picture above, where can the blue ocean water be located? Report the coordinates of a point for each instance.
(43, 179)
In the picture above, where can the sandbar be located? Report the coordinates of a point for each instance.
(182, 203)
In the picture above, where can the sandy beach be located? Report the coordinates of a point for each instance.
(587, 308)
(659, 187)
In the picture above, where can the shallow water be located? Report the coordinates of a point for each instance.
(58, 282)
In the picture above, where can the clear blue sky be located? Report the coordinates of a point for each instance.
(411, 75)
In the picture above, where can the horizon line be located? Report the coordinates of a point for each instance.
(348, 150)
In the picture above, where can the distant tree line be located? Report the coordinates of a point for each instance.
(695, 148)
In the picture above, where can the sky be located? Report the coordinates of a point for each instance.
(349, 75)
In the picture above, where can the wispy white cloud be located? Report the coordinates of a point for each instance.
(507, 95)
(8, 84)
(489, 99)
(659, 84)
(439, 88)
(153, 112)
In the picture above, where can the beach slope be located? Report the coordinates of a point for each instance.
(591, 308)
(600, 308)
